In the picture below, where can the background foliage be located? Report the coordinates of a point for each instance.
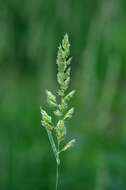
(30, 32)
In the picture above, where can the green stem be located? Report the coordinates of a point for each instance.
(57, 176)
(55, 151)
(57, 171)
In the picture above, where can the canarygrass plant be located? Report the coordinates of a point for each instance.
(56, 125)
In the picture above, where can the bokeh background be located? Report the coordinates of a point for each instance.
(30, 32)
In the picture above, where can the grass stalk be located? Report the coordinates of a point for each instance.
(61, 110)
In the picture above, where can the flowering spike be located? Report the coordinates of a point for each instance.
(61, 109)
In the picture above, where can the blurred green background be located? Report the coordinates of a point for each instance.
(30, 32)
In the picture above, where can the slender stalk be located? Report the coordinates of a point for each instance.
(57, 170)
(57, 176)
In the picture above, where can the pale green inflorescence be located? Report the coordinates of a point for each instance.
(61, 109)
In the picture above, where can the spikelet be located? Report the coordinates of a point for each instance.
(60, 131)
(69, 145)
(51, 99)
(69, 114)
(46, 120)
